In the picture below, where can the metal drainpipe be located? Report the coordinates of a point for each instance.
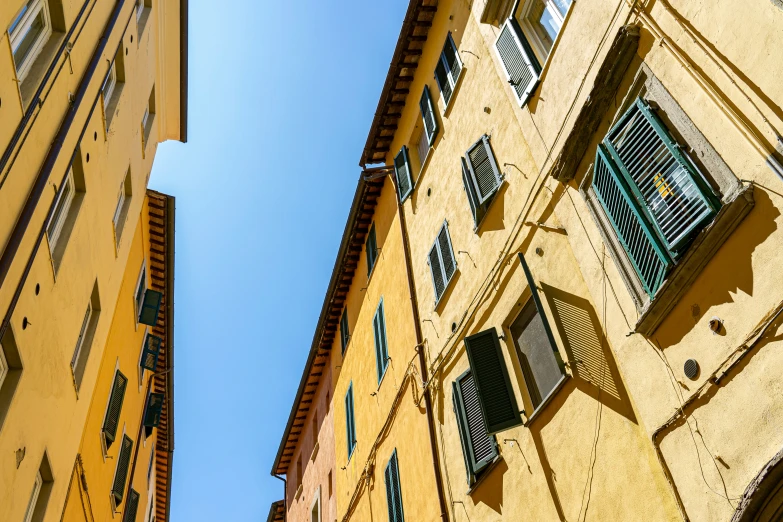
(420, 349)
(20, 229)
(285, 495)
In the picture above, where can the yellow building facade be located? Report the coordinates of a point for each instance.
(89, 90)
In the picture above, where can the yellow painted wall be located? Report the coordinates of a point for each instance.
(54, 304)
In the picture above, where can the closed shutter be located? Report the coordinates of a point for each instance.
(522, 67)
(393, 490)
(116, 398)
(483, 169)
(153, 410)
(428, 115)
(642, 245)
(371, 247)
(498, 404)
(344, 334)
(131, 507)
(402, 169)
(148, 314)
(381, 348)
(350, 424)
(151, 350)
(663, 179)
(478, 446)
(121, 473)
(442, 263)
(442, 77)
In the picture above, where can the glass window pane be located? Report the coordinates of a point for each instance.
(543, 23)
(562, 6)
(536, 357)
(28, 39)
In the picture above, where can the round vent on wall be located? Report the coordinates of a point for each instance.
(691, 369)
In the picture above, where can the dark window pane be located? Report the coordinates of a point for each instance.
(538, 362)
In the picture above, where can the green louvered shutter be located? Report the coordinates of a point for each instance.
(153, 410)
(428, 115)
(483, 170)
(150, 307)
(121, 473)
(393, 490)
(151, 350)
(478, 446)
(112, 420)
(665, 182)
(381, 347)
(647, 254)
(498, 404)
(448, 69)
(350, 423)
(442, 263)
(131, 507)
(344, 333)
(371, 248)
(402, 170)
(522, 67)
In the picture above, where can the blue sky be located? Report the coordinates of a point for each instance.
(282, 95)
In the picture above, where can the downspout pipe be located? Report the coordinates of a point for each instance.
(285, 495)
(372, 174)
(20, 228)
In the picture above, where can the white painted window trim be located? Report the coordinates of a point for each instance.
(316, 503)
(108, 86)
(61, 210)
(139, 9)
(145, 117)
(142, 280)
(28, 517)
(19, 28)
(3, 366)
(118, 211)
(104, 449)
(82, 333)
(542, 53)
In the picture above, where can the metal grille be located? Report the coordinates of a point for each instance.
(481, 441)
(638, 242)
(666, 184)
(520, 73)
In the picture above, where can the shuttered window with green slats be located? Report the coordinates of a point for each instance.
(651, 192)
(402, 171)
(478, 447)
(520, 63)
(121, 472)
(153, 410)
(344, 333)
(448, 69)
(498, 403)
(393, 490)
(481, 177)
(350, 422)
(148, 314)
(381, 346)
(131, 507)
(443, 264)
(428, 115)
(112, 419)
(150, 352)
(371, 248)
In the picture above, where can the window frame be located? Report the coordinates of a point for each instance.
(138, 297)
(34, 496)
(82, 335)
(4, 367)
(533, 38)
(109, 86)
(19, 28)
(62, 207)
(316, 504)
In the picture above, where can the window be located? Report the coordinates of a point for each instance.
(139, 8)
(3, 366)
(141, 287)
(108, 85)
(651, 192)
(123, 204)
(81, 352)
(345, 335)
(150, 351)
(61, 209)
(82, 335)
(152, 462)
(391, 477)
(10, 372)
(131, 507)
(481, 177)
(150, 307)
(520, 63)
(428, 116)
(448, 69)
(442, 263)
(147, 120)
(28, 33)
(299, 470)
(315, 508)
(315, 426)
(478, 447)
(112, 419)
(402, 171)
(121, 471)
(541, 21)
(371, 247)
(153, 410)
(28, 516)
(143, 8)
(422, 148)
(350, 425)
(493, 386)
(381, 346)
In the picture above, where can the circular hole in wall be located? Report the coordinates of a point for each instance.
(88, 157)
(94, 136)
(429, 192)
(453, 327)
(131, 38)
(540, 251)
(25, 322)
(37, 289)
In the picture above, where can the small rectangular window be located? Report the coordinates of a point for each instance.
(141, 287)
(82, 335)
(448, 69)
(28, 33)
(315, 508)
(393, 489)
(28, 517)
(131, 507)
(344, 332)
(81, 352)
(442, 263)
(541, 21)
(64, 200)
(109, 84)
(350, 424)
(153, 410)
(112, 419)
(147, 120)
(149, 352)
(381, 346)
(3, 366)
(371, 248)
(122, 207)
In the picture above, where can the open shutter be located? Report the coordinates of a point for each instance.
(453, 62)
(541, 312)
(442, 77)
(478, 446)
(151, 350)
(116, 398)
(446, 253)
(350, 425)
(148, 314)
(402, 169)
(663, 179)
(498, 404)
(522, 67)
(344, 334)
(121, 473)
(442, 262)
(153, 410)
(647, 254)
(470, 192)
(428, 115)
(381, 350)
(131, 507)
(483, 168)
(438, 283)
(371, 248)
(393, 490)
